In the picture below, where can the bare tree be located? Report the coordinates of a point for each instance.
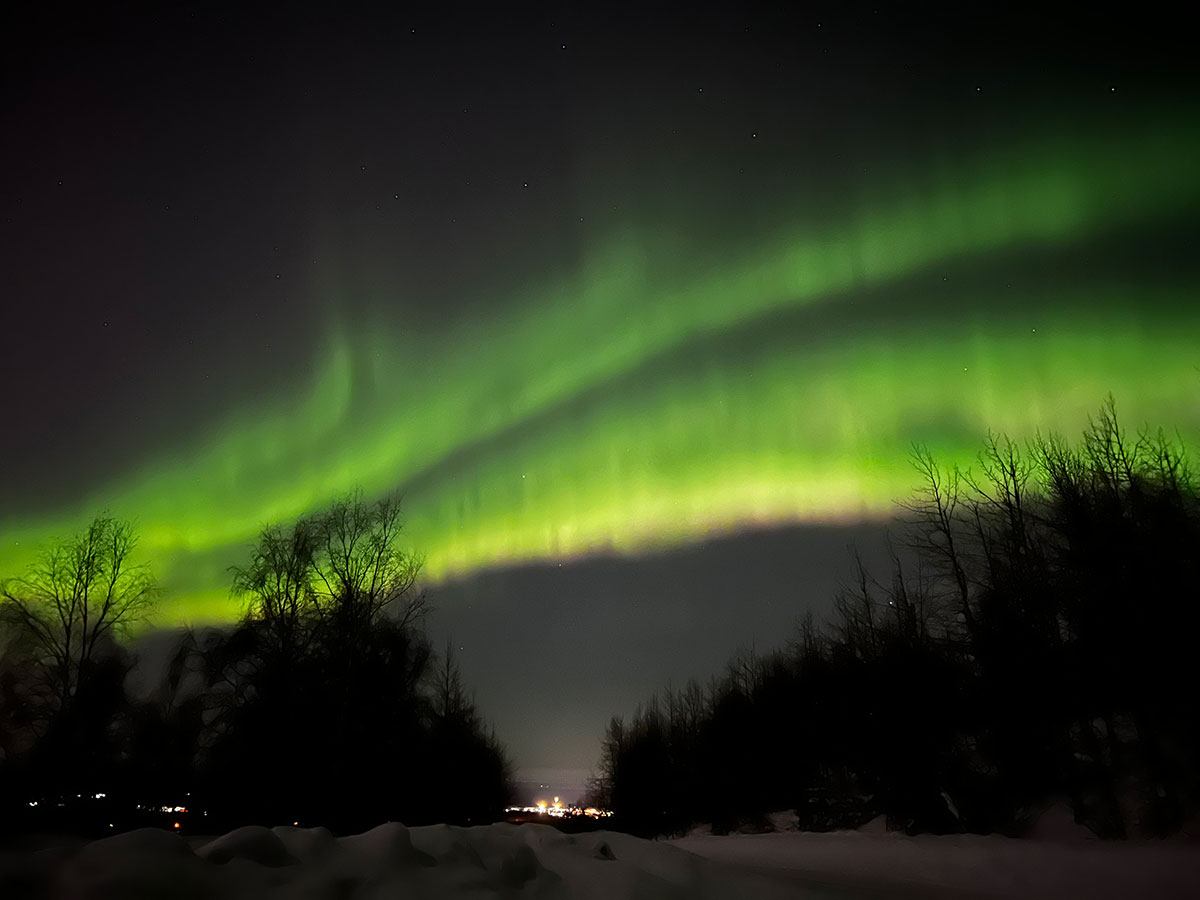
(450, 700)
(279, 583)
(857, 612)
(80, 593)
(360, 572)
(934, 519)
(342, 569)
(614, 745)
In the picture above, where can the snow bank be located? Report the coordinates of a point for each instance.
(537, 861)
(438, 861)
(879, 864)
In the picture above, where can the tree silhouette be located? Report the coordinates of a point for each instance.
(1033, 646)
(323, 703)
(74, 599)
(464, 758)
(331, 575)
(62, 673)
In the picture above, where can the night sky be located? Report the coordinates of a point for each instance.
(642, 308)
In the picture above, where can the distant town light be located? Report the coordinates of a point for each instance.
(560, 811)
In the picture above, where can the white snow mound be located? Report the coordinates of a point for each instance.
(537, 861)
(436, 861)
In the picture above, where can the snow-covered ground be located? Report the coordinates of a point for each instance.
(855, 864)
(536, 861)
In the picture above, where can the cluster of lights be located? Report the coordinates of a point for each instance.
(558, 810)
(100, 796)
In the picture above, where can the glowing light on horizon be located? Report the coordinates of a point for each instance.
(559, 810)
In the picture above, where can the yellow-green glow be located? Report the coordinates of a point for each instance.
(675, 386)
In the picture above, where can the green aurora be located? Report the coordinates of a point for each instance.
(678, 383)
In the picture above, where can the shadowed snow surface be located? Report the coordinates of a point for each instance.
(537, 861)
(873, 863)
(437, 861)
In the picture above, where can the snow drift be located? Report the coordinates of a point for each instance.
(437, 861)
(537, 861)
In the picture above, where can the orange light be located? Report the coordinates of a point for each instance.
(176, 824)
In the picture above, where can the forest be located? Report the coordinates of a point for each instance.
(324, 704)
(1033, 642)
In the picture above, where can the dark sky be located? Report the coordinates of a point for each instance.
(596, 287)
(553, 650)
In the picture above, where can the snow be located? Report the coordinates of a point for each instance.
(438, 861)
(874, 863)
(537, 861)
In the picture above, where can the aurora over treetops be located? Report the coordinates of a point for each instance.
(666, 347)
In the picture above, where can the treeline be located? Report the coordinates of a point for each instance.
(1034, 640)
(325, 704)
